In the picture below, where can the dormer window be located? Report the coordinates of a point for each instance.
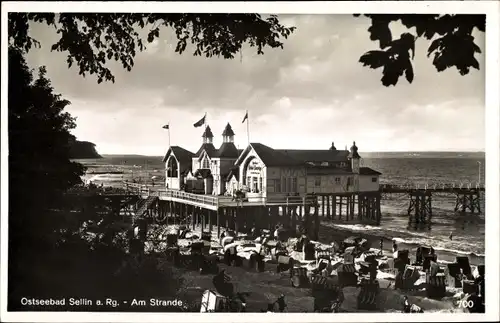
(325, 164)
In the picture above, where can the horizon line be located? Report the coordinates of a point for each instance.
(369, 152)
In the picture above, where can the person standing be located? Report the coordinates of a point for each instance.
(381, 252)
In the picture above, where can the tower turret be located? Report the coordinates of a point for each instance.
(208, 136)
(228, 134)
(355, 158)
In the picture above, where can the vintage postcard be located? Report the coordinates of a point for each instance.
(288, 162)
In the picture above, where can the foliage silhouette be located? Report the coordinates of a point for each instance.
(40, 169)
(39, 166)
(452, 44)
(58, 245)
(93, 39)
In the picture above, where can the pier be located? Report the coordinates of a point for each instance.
(467, 197)
(213, 212)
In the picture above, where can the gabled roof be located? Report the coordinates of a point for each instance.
(368, 171)
(228, 131)
(234, 171)
(316, 156)
(203, 173)
(228, 150)
(183, 156)
(269, 156)
(209, 148)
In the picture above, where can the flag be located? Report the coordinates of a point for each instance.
(166, 126)
(200, 123)
(246, 117)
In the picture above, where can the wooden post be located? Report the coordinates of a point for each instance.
(236, 222)
(340, 207)
(316, 223)
(328, 212)
(209, 214)
(218, 223)
(334, 207)
(324, 207)
(379, 215)
(353, 205)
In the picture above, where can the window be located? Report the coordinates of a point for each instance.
(294, 184)
(277, 185)
(342, 164)
(324, 164)
(374, 179)
(337, 180)
(317, 181)
(349, 181)
(284, 187)
(289, 186)
(205, 163)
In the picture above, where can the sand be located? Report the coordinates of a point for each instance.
(267, 286)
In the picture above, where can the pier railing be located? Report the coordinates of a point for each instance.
(214, 201)
(436, 187)
(202, 199)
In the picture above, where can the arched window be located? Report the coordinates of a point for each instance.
(205, 163)
(173, 170)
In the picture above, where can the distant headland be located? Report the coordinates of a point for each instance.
(83, 150)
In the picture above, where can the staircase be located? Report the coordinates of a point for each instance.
(144, 205)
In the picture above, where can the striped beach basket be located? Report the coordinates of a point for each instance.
(470, 287)
(367, 297)
(369, 256)
(284, 263)
(428, 259)
(463, 263)
(452, 272)
(406, 280)
(436, 286)
(299, 277)
(322, 282)
(347, 275)
(323, 254)
(172, 239)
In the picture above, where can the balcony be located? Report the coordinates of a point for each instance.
(255, 197)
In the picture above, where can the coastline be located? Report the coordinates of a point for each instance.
(328, 233)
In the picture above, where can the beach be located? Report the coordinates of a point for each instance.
(265, 287)
(468, 230)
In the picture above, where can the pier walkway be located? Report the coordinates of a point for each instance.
(212, 202)
(462, 187)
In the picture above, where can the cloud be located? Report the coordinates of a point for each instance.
(308, 94)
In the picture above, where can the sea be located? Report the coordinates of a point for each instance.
(419, 168)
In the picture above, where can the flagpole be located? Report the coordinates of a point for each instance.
(169, 135)
(248, 129)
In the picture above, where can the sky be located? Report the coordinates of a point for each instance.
(306, 96)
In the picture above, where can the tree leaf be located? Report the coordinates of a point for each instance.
(409, 73)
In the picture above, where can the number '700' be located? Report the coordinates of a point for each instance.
(464, 303)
